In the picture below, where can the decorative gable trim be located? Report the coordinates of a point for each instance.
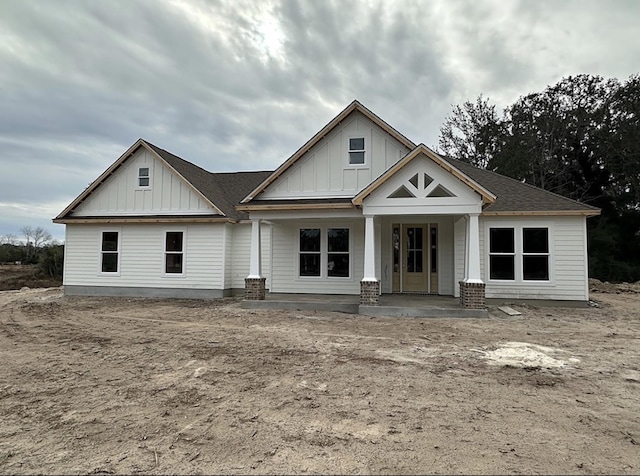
(487, 196)
(354, 106)
(116, 165)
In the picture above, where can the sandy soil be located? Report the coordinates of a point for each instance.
(102, 386)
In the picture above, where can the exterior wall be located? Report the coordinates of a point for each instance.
(241, 239)
(460, 250)
(567, 261)
(325, 172)
(285, 261)
(141, 260)
(120, 194)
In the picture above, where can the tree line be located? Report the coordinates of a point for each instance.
(38, 247)
(579, 138)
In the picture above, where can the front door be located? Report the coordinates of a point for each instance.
(414, 266)
(415, 258)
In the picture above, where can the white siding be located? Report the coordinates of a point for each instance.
(241, 255)
(460, 244)
(324, 170)
(285, 277)
(121, 195)
(445, 256)
(465, 199)
(142, 256)
(567, 262)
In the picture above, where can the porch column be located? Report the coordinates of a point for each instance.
(472, 289)
(369, 286)
(254, 284)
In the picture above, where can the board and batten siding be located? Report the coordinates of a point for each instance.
(567, 261)
(241, 253)
(285, 258)
(121, 195)
(459, 251)
(141, 260)
(324, 170)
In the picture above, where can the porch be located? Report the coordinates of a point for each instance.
(389, 305)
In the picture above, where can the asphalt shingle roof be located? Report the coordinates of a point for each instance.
(226, 190)
(514, 196)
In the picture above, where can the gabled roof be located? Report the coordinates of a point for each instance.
(221, 191)
(487, 196)
(225, 190)
(354, 106)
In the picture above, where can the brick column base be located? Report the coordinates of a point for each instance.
(369, 293)
(472, 295)
(254, 289)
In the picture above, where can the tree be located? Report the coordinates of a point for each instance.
(472, 133)
(35, 238)
(9, 239)
(579, 138)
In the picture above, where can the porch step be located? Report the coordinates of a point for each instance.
(398, 311)
(324, 306)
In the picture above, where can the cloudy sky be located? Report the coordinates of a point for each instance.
(240, 85)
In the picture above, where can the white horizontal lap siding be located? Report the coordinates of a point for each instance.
(567, 261)
(141, 260)
(324, 170)
(241, 253)
(120, 194)
(285, 258)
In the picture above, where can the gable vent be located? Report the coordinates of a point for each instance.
(402, 192)
(440, 191)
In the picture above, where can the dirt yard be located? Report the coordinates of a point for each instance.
(102, 386)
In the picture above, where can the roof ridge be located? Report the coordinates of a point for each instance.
(173, 155)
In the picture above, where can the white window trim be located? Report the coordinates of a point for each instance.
(184, 253)
(138, 177)
(100, 252)
(519, 254)
(324, 254)
(367, 143)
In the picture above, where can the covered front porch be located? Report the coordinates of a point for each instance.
(414, 230)
(389, 305)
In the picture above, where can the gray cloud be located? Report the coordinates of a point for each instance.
(236, 84)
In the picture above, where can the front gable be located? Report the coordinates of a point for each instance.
(340, 160)
(325, 170)
(420, 185)
(139, 183)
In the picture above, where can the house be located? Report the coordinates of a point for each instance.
(359, 209)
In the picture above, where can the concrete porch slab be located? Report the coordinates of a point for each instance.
(391, 305)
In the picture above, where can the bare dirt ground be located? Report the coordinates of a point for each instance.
(102, 386)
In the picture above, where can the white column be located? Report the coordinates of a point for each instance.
(255, 262)
(369, 249)
(473, 250)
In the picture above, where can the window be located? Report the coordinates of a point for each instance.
(519, 254)
(338, 252)
(310, 252)
(324, 249)
(502, 251)
(109, 252)
(356, 151)
(173, 253)
(143, 177)
(535, 254)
